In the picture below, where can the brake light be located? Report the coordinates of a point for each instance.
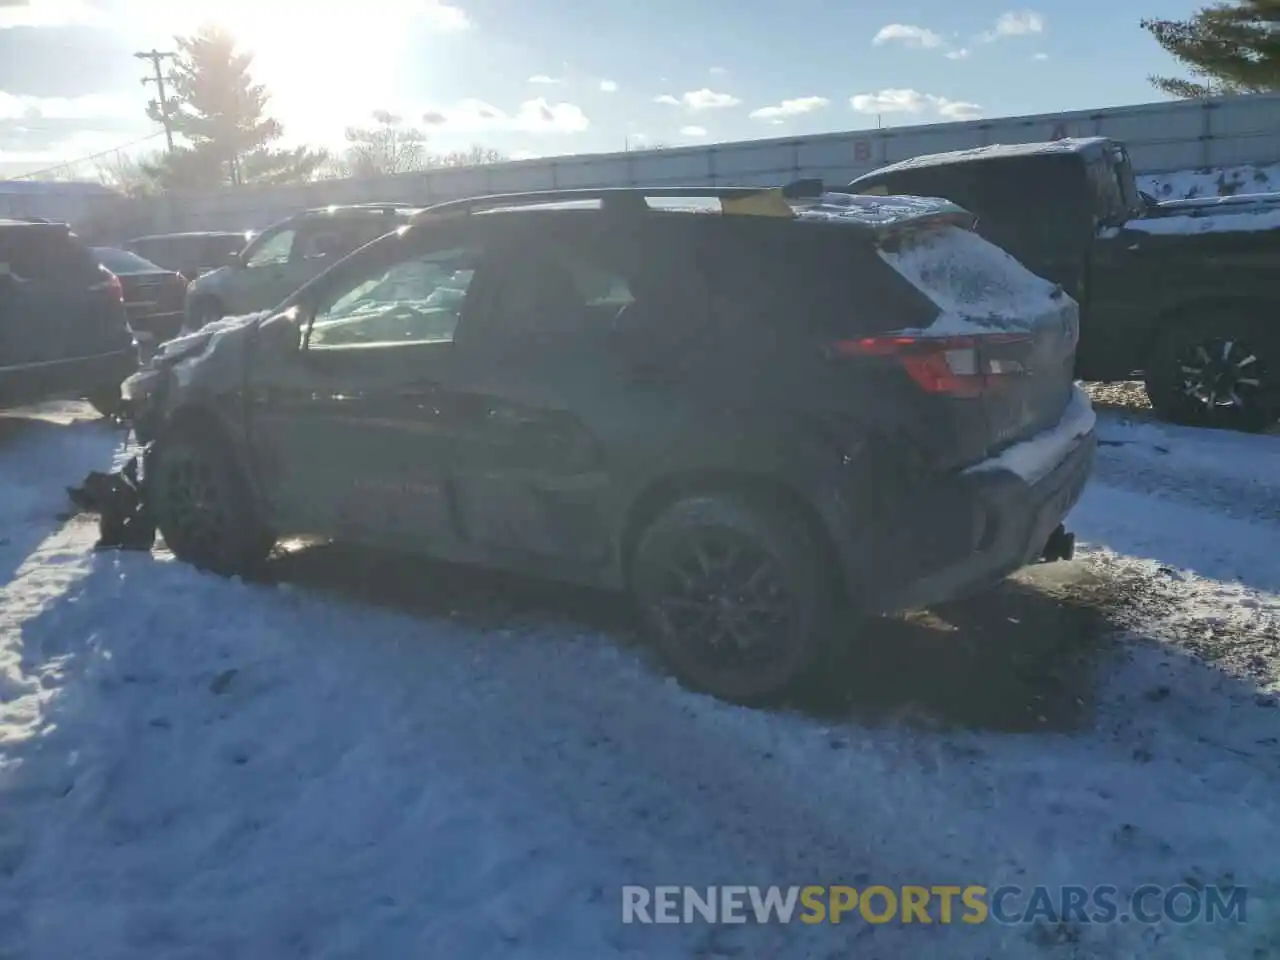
(110, 284)
(953, 366)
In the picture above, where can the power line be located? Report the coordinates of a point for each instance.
(92, 156)
(162, 99)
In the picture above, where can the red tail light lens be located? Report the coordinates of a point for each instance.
(110, 283)
(953, 366)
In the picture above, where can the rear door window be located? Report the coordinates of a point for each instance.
(49, 256)
(804, 278)
(334, 239)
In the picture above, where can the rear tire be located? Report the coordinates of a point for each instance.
(735, 595)
(1216, 373)
(203, 505)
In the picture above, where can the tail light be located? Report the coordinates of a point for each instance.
(111, 284)
(953, 366)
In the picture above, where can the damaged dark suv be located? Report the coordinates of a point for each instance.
(754, 420)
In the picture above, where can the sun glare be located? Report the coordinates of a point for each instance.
(324, 66)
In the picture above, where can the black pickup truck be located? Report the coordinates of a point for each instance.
(1182, 293)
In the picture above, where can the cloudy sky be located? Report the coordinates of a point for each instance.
(543, 77)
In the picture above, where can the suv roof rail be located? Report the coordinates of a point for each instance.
(389, 207)
(619, 199)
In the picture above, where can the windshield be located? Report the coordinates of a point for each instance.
(122, 261)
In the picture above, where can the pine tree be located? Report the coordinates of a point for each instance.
(1234, 47)
(221, 114)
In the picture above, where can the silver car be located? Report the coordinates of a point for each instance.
(285, 256)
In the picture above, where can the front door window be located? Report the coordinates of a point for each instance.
(418, 300)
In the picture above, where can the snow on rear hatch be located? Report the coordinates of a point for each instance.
(977, 286)
(1025, 327)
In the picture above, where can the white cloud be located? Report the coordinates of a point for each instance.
(961, 54)
(1015, 23)
(92, 107)
(1040, 56)
(533, 116)
(704, 99)
(717, 71)
(543, 78)
(608, 86)
(912, 101)
(780, 112)
(957, 109)
(693, 131)
(46, 13)
(911, 36)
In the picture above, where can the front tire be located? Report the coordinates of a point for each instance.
(203, 506)
(735, 596)
(1216, 373)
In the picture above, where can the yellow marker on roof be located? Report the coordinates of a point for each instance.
(766, 203)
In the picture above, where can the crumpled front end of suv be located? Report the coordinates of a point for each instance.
(204, 369)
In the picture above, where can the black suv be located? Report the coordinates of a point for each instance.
(751, 420)
(63, 328)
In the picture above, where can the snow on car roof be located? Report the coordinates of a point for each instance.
(1201, 222)
(991, 152)
(880, 211)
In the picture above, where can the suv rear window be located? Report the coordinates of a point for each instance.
(969, 279)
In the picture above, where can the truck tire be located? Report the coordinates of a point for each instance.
(1221, 372)
(203, 505)
(735, 595)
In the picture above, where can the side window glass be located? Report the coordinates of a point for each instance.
(273, 250)
(564, 292)
(419, 300)
(319, 244)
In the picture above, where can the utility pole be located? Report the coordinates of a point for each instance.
(157, 57)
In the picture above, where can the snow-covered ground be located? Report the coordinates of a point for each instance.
(377, 758)
(1219, 182)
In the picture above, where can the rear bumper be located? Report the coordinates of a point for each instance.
(153, 329)
(995, 518)
(39, 381)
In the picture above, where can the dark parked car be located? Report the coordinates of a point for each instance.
(63, 329)
(1183, 293)
(190, 254)
(153, 296)
(750, 421)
